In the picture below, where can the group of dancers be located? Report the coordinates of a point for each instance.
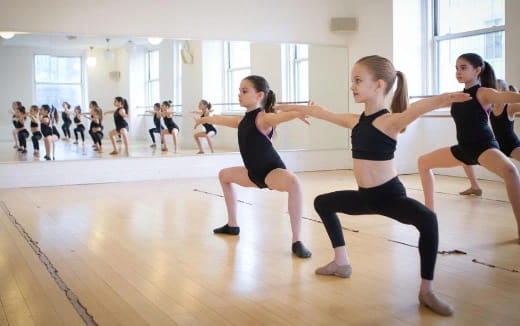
(45, 119)
(374, 140)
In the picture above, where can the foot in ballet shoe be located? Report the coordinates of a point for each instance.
(436, 304)
(334, 269)
(300, 250)
(471, 191)
(226, 229)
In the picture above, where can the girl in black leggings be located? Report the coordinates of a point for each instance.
(374, 134)
(80, 128)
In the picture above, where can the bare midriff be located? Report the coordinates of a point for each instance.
(371, 174)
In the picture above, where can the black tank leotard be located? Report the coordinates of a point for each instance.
(208, 127)
(257, 150)
(370, 143)
(474, 135)
(504, 131)
(170, 124)
(45, 127)
(119, 121)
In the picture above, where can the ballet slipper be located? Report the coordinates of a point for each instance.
(436, 304)
(334, 269)
(471, 191)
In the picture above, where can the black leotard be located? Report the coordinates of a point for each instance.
(119, 121)
(257, 150)
(46, 128)
(170, 124)
(504, 131)
(370, 143)
(473, 132)
(208, 127)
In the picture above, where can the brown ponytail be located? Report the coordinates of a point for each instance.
(400, 98)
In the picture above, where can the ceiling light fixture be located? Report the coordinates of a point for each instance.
(155, 40)
(7, 35)
(91, 59)
(109, 54)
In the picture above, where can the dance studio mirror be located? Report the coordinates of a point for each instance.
(50, 69)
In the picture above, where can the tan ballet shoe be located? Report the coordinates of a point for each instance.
(334, 269)
(436, 304)
(471, 191)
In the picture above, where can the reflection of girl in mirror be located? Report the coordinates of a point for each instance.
(15, 105)
(158, 127)
(35, 129)
(209, 130)
(374, 134)
(171, 126)
(93, 106)
(47, 132)
(96, 128)
(120, 120)
(476, 142)
(21, 132)
(263, 166)
(80, 128)
(502, 118)
(65, 116)
(54, 116)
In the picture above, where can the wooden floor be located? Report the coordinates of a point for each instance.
(144, 254)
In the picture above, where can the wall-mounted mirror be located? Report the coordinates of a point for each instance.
(51, 69)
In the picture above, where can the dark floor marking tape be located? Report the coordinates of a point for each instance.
(73, 299)
(495, 266)
(440, 252)
(344, 228)
(221, 196)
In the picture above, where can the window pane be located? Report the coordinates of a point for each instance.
(57, 69)
(302, 81)
(153, 61)
(489, 46)
(55, 94)
(236, 77)
(453, 15)
(302, 51)
(239, 54)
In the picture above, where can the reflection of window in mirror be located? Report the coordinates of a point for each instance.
(295, 72)
(177, 77)
(238, 66)
(58, 79)
(152, 78)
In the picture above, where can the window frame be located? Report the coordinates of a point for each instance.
(148, 81)
(229, 93)
(82, 82)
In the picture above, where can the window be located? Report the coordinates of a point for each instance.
(177, 76)
(454, 35)
(58, 79)
(238, 66)
(295, 74)
(152, 77)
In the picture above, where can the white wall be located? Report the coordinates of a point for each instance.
(512, 42)
(269, 20)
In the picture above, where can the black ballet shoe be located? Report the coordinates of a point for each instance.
(47, 158)
(226, 229)
(300, 251)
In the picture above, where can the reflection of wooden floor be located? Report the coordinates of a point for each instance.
(144, 253)
(67, 150)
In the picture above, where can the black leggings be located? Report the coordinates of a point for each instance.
(36, 140)
(97, 136)
(154, 130)
(80, 129)
(388, 199)
(66, 128)
(22, 138)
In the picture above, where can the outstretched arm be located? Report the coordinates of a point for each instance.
(346, 120)
(269, 120)
(399, 121)
(491, 96)
(219, 120)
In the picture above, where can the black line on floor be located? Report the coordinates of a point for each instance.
(440, 252)
(317, 221)
(53, 272)
(221, 196)
(495, 266)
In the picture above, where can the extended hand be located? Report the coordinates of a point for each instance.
(448, 98)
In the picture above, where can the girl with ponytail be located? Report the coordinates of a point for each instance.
(120, 120)
(263, 167)
(374, 140)
(476, 142)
